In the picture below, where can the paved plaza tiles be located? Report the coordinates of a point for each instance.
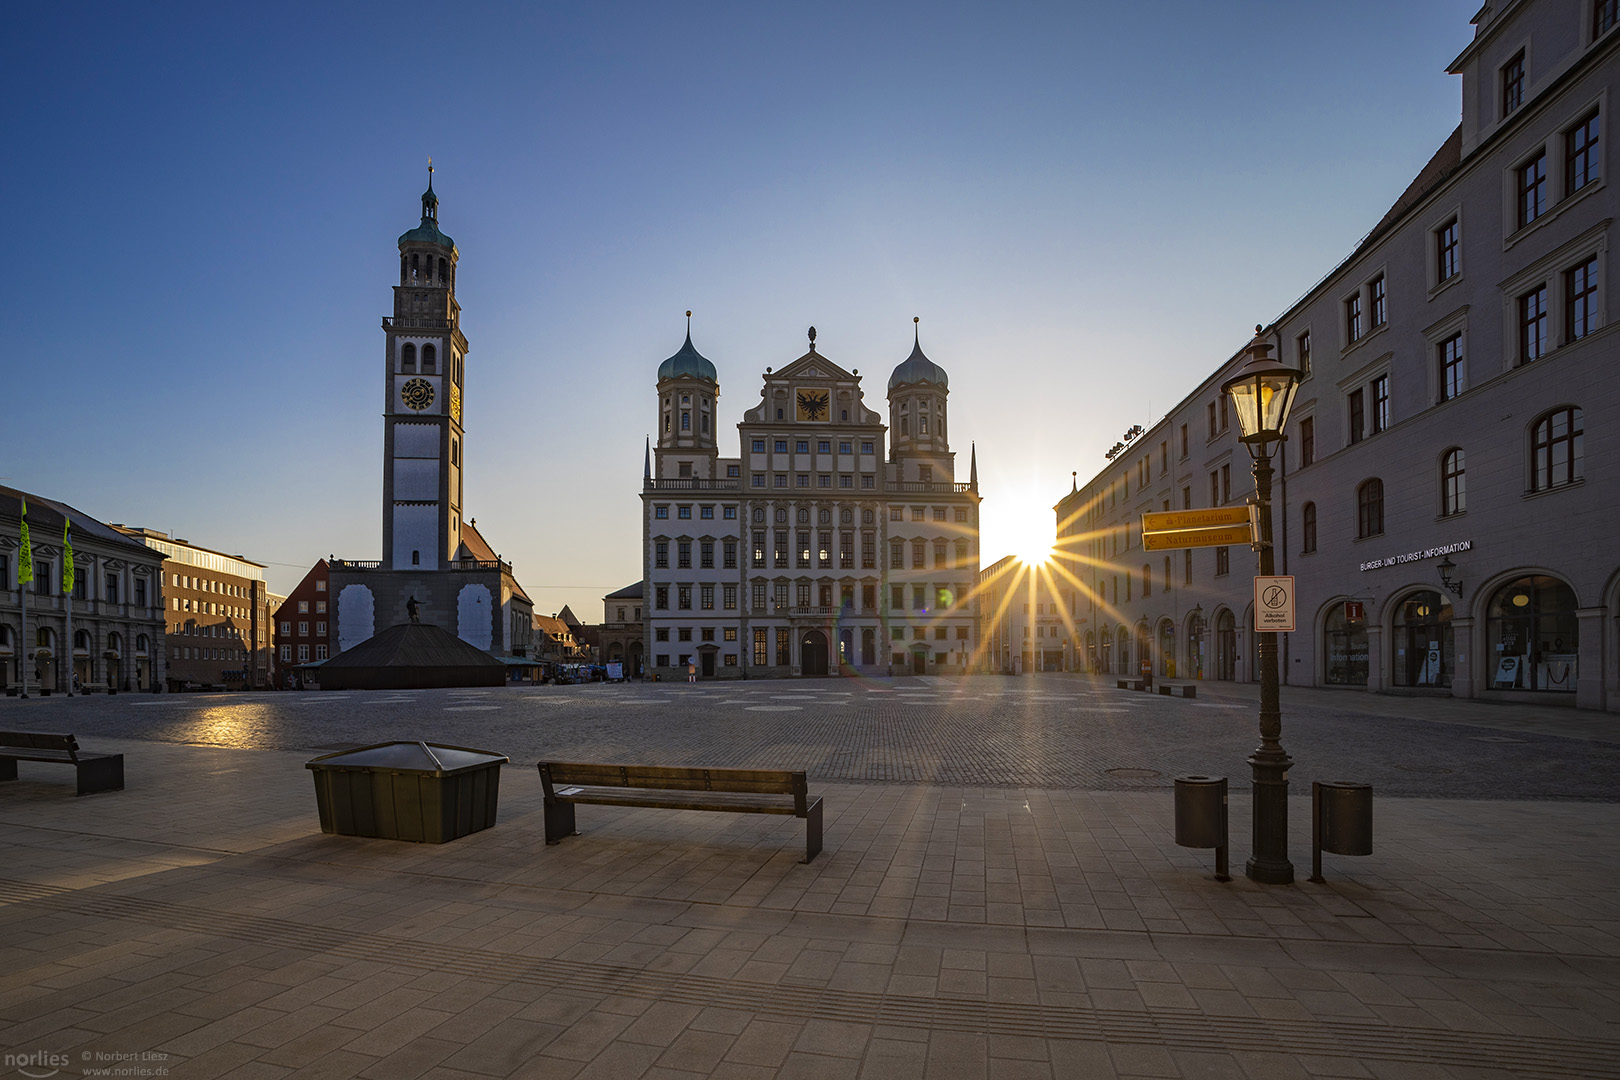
(993, 901)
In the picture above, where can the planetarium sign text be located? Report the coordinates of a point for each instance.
(1415, 556)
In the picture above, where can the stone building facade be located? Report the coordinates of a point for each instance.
(217, 614)
(1449, 491)
(620, 634)
(305, 625)
(1025, 625)
(832, 543)
(117, 605)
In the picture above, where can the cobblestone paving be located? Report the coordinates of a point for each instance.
(1048, 732)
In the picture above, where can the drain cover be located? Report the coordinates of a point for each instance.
(1136, 774)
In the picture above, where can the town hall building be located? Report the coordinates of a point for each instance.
(833, 543)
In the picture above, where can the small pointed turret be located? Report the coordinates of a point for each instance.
(646, 460)
(973, 466)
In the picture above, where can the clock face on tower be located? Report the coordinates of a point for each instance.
(416, 394)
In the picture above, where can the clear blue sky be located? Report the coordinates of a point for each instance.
(1087, 204)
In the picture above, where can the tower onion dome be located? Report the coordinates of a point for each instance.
(687, 362)
(917, 368)
(428, 232)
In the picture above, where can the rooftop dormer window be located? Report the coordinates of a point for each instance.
(1513, 83)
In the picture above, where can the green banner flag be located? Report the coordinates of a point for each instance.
(67, 556)
(25, 559)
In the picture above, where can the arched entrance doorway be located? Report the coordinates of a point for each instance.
(1422, 641)
(1105, 652)
(143, 663)
(114, 660)
(1225, 645)
(1167, 649)
(813, 653)
(1124, 658)
(846, 649)
(1344, 637)
(1532, 636)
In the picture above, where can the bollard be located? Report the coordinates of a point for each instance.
(1201, 817)
(1341, 821)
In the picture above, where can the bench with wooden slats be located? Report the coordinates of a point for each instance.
(742, 791)
(96, 772)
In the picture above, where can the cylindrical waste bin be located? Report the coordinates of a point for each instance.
(1346, 817)
(426, 792)
(1201, 811)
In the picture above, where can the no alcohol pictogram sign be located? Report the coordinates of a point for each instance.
(1274, 604)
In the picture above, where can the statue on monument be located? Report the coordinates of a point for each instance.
(413, 609)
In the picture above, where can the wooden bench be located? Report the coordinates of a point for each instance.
(1186, 690)
(1130, 684)
(96, 772)
(742, 791)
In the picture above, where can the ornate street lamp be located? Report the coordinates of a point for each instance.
(1263, 391)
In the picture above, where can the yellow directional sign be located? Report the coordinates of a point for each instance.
(1195, 519)
(1192, 538)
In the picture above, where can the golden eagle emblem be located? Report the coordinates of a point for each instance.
(812, 404)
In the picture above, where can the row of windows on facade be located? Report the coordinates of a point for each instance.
(947, 554)
(1367, 308)
(1368, 408)
(686, 415)
(286, 653)
(1579, 161)
(192, 629)
(45, 577)
(1555, 460)
(924, 598)
(1574, 291)
(922, 419)
(303, 629)
(683, 512)
(429, 359)
(193, 653)
(621, 613)
(208, 585)
(208, 607)
(419, 268)
(45, 638)
(823, 446)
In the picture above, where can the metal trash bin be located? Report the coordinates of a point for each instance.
(1341, 821)
(1201, 820)
(425, 792)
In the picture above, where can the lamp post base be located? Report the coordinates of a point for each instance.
(1269, 864)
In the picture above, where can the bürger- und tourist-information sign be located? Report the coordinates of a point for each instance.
(1218, 526)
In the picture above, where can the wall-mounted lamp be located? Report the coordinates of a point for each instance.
(1446, 567)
